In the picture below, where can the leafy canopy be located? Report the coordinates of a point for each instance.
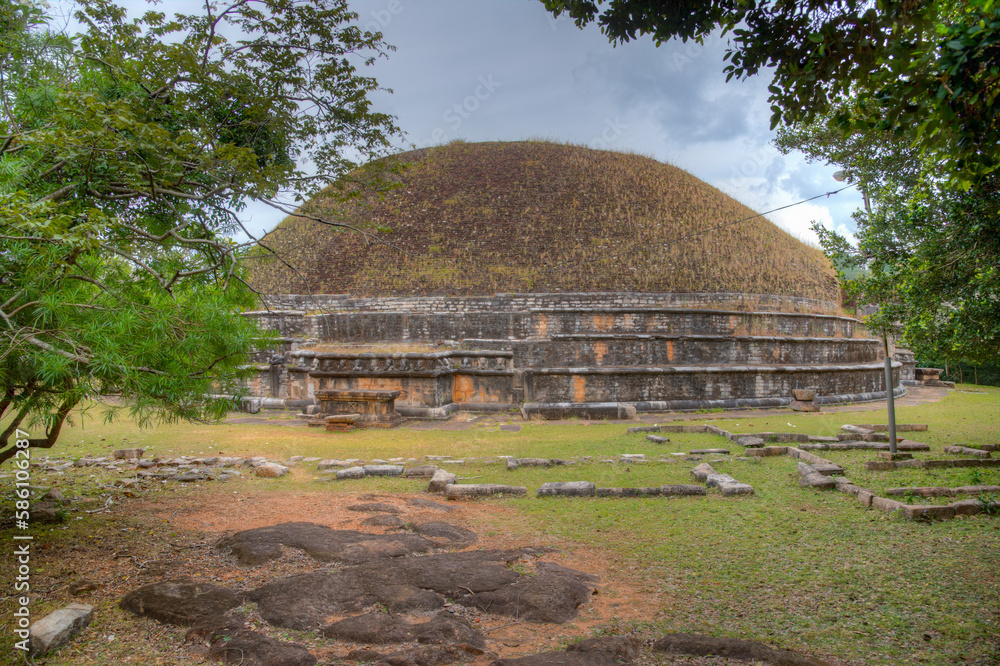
(926, 70)
(126, 154)
(927, 253)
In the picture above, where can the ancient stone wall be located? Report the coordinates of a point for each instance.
(601, 353)
(522, 302)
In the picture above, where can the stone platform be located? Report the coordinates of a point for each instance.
(363, 409)
(588, 355)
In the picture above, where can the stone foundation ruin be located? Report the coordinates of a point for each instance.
(592, 355)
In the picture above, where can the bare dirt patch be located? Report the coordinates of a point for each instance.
(173, 535)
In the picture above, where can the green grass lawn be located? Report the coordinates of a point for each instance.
(797, 568)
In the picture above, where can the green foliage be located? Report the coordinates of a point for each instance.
(927, 250)
(927, 70)
(126, 154)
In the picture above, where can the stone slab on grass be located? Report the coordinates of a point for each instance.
(716, 480)
(566, 489)
(818, 481)
(383, 470)
(929, 512)
(887, 505)
(271, 470)
(58, 627)
(656, 439)
(828, 469)
(975, 490)
(681, 490)
(709, 451)
(420, 471)
(128, 454)
(441, 479)
(638, 429)
(702, 472)
(473, 490)
(965, 451)
(920, 492)
(749, 441)
(967, 507)
(351, 473)
(731, 489)
(629, 492)
(767, 451)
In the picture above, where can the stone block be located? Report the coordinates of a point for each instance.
(975, 490)
(682, 489)
(849, 488)
(702, 471)
(914, 463)
(818, 481)
(716, 480)
(887, 455)
(749, 441)
(566, 489)
(731, 489)
(350, 473)
(56, 628)
(966, 507)
(887, 505)
(721, 452)
(920, 492)
(803, 406)
(534, 462)
(910, 445)
(511, 464)
(805, 395)
(270, 470)
(473, 490)
(962, 450)
(128, 454)
(633, 457)
(331, 463)
(656, 439)
(629, 492)
(855, 430)
(879, 465)
(383, 470)
(420, 471)
(828, 468)
(929, 512)
(441, 479)
(635, 429)
(803, 468)
(865, 498)
(811, 458)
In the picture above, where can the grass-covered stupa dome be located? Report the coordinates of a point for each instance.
(531, 216)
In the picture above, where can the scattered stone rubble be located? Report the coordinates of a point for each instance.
(819, 473)
(58, 627)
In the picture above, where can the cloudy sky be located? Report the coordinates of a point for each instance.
(485, 70)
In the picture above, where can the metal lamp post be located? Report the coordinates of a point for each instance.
(841, 176)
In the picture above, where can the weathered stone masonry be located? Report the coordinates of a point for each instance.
(587, 354)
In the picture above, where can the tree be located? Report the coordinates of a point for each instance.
(126, 154)
(926, 70)
(928, 253)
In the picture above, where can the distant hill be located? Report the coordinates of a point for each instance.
(527, 216)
